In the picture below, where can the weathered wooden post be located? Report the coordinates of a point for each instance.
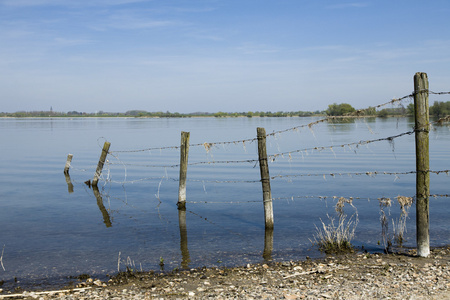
(422, 128)
(184, 154)
(268, 244)
(265, 178)
(101, 162)
(67, 167)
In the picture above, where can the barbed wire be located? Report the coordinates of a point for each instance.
(349, 174)
(177, 180)
(439, 93)
(355, 114)
(360, 143)
(293, 198)
(358, 114)
(272, 157)
(442, 120)
(279, 176)
(189, 164)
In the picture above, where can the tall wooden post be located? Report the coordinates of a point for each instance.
(184, 154)
(101, 162)
(67, 167)
(422, 128)
(265, 178)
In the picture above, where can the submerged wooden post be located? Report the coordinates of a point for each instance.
(268, 244)
(184, 154)
(67, 167)
(422, 128)
(101, 162)
(265, 178)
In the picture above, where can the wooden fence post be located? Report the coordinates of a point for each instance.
(67, 167)
(422, 128)
(184, 154)
(101, 162)
(265, 178)
(268, 244)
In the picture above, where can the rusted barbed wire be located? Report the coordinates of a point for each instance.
(368, 173)
(360, 143)
(208, 145)
(442, 120)
(395, 100)
(273, 156)
(440, 195)
(177, 180)
(357, 113)
(439, 93)
(324, 175)
(190, 164)
(338, 198)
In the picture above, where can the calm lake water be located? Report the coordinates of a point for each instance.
(53, 227)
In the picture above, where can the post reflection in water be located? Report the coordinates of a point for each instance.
(98, 196)
(69, 182)
(268, 244)
(185, 258)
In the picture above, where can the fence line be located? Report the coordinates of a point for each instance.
(420, 96)
(273, 156)
(324, 175)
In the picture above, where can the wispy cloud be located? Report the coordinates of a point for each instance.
(348, 5)
(70, 42)
(125, 22)
(67, 3)
(30, 2)
(251, 48)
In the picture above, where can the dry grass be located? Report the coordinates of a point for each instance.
(398, 226)
(336, 238)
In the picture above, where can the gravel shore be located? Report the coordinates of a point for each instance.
(349, 276)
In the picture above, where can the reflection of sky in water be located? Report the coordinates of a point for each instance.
(48, 231)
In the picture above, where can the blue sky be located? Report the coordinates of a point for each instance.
(218, 55)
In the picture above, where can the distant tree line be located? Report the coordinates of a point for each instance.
(262, 114)
(438, 109)
(160, 114)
